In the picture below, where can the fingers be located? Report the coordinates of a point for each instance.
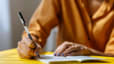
(24, 51)
(27, 49)
(71, 49)
(59, 51)
(36, 52)
(28, 42)
(77, 53)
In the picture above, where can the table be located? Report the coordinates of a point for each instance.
(11, 57)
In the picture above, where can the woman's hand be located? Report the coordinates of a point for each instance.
(27, 49)
(72, 49)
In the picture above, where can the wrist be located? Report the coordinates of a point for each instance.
(87, 51)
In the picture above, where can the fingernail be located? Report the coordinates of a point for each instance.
(58, 54)
(37, 54)
(54, 54)
(62, 54)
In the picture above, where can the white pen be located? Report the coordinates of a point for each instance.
(26, 29)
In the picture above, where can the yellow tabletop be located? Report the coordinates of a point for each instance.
(11, 57)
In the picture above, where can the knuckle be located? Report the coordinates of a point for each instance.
(19, 42)
(73, 47)
(57, 50)
(66, 42)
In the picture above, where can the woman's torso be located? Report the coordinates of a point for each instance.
(78, 24)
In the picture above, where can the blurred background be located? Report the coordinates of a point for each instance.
(10, 26)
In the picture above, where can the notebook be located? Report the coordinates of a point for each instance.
(50, 58)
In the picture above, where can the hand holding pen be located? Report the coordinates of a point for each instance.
(27, 47)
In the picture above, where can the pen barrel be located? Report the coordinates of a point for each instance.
(29, 35)
(35, 44)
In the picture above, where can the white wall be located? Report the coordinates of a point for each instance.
(5, 33)
(51, 41)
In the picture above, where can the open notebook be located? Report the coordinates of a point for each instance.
(50, 58)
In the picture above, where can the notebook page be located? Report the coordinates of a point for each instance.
(51, 58)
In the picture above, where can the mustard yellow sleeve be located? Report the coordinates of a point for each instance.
(109, 49)
(110, 45)
(43, 20)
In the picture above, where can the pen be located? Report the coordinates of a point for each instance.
(26, 29)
